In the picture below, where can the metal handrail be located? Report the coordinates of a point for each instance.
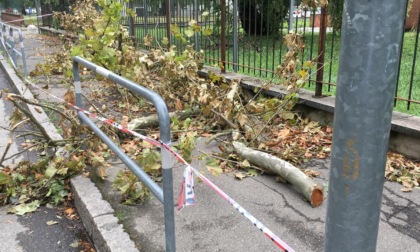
(9, 44)
(164, 194)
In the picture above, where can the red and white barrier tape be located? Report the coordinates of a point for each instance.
(187, 196)
(46, 15)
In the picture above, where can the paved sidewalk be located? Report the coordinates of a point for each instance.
(214, 225)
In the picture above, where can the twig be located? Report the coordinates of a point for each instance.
(228, 132)
(41, 105)
(235, 162)
(224, 118)
(268, 121)
(31, 133)
(9, 143)
(29, 114)
(93, 106)
(22, 151)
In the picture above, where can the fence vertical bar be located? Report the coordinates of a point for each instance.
(12, 46)
(410, 90)
(168, 22)
(362, 122)
(77, 85)
(291, 14)
(197, 47)
(401, 51)
(222, 64)
(235, 36)
(146, 17)
(131, 21)
(334, 16)
(22, 53)
(3, 36)
(321, 52)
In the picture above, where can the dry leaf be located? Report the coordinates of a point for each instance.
(178, 105)
(69, 98)
(50, 223)
(101, 172)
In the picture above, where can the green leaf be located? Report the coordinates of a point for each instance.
(89, 32)
(208, 32)
(308, 64)
(26, 208)
(50, 172)
(189, 32)
(239, 175)
(213, 166)
(4, 178)
(252, 173)
(287, 115)
(74, 244)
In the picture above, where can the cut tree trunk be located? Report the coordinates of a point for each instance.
(305, 185)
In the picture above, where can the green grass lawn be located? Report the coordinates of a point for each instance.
(260, 55)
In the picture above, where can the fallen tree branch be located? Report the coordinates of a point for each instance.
(305, 185)
(9, 143)
(153, 120)
(42, 106)
(22, 151)
(30, 116)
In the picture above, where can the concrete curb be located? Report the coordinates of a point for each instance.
(97, 214)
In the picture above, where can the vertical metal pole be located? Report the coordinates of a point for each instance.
(38, 7)
(77, 85)
(222, 64)
(362, 122)
(401, 51)
(291, 14)
(321, 52)
(167, 183)
(3, 36)
(168, 22)
(146, 17)
(12, 46)
(131, 21)
(235, 36)
(22, 53)
(413, 69)
(197, 48)
(168, 197)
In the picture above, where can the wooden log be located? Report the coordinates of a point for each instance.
(305, 185)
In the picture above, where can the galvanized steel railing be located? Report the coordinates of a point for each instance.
(164, 194)
(13, 45)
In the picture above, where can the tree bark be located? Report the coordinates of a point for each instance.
(305, 185)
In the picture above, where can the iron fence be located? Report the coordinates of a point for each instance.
(246, 37)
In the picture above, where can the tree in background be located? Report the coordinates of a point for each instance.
(335, 10)
(260, 17)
